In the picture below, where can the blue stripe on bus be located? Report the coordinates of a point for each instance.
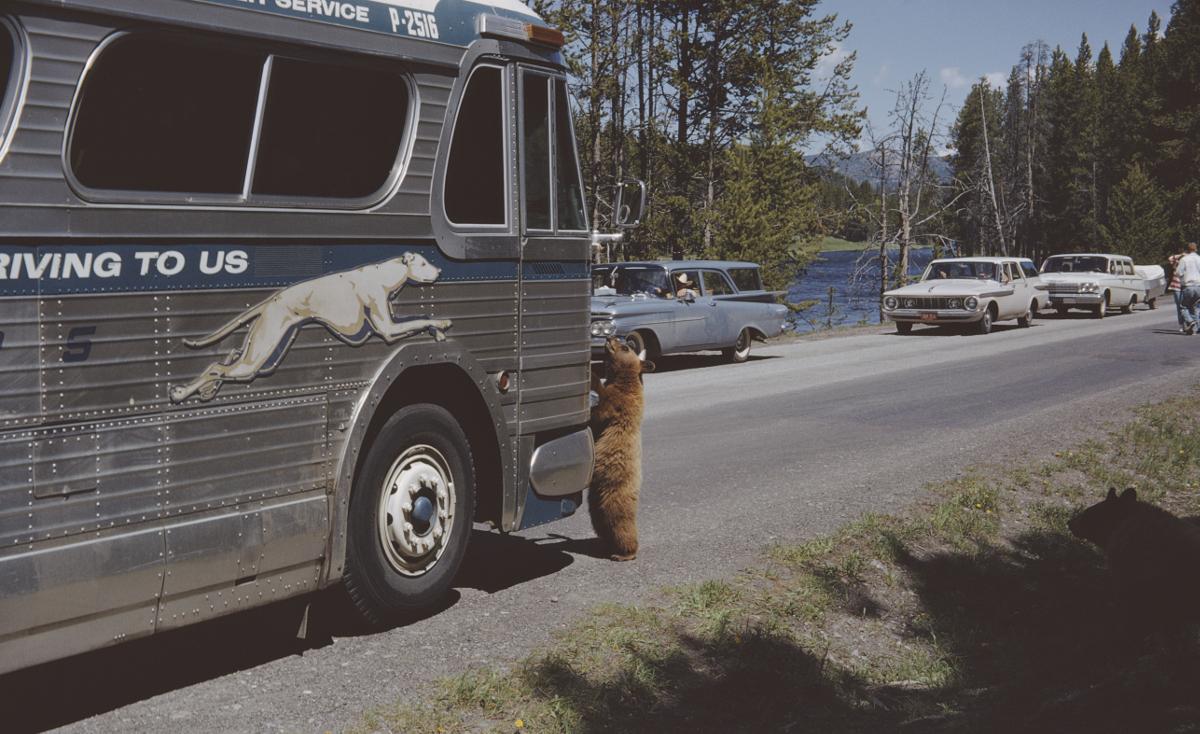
(66, 270)
(454, 22)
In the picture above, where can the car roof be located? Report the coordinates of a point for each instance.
(976, 259)
(1089, 254)
(689, 264)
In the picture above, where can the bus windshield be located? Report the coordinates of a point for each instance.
(629, 280)
(1075, 264)
(962, 269)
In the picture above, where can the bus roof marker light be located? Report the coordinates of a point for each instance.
(519, 30)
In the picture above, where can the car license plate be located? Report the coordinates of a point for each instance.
(929, 317)
(1068, 300)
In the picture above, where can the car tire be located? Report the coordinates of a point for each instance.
(1128, 308)
(411, 513)
(1152, 303)
(984, 324)
(1101, 309)
(637, 342)
(1025, 321)
(903, 327)
(1062, 311)
(740, 351)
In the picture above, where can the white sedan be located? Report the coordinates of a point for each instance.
(978, 291)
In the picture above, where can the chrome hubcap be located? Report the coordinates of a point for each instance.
(416, 510)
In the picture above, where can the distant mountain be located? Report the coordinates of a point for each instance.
(858, 167)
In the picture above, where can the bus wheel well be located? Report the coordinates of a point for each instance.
(450, 387)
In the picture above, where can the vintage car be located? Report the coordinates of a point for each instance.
(976, 291)
(1095, 283)
(668, 307)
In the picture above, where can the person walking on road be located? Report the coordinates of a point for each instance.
(1189, 281)
(1174, 289)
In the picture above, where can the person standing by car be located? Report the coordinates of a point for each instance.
(1189, 281)
(1174, 288)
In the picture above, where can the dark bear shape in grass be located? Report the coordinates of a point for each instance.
(1153, 555)
(617, 427)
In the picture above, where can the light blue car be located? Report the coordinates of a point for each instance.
(674, 306)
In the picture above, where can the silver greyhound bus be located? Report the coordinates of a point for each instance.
(292, 292)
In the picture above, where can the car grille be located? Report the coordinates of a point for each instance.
(930, 302)
(1064, 288)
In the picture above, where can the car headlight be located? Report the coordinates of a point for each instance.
(890, 303)
(971, 303)
(954, 303)
(909, 303)
(603, 327)
(1088, 288)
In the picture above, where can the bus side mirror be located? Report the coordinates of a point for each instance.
(630, 204)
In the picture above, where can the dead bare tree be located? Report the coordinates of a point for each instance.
(909, 192)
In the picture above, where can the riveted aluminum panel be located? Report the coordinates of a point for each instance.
(58, 482)
(16, 489)
(255, 554)
(64, 597)
(555, 354)
(228, 455)
(32, 170)
(103, 355)
(20, 364)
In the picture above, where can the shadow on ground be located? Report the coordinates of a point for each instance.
(1035, 642)
(67, 691)
(678, 362)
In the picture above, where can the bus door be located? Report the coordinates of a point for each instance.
(555, 275)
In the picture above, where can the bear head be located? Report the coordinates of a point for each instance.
(622, 363)
(1098, 522)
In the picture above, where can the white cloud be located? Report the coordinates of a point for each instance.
(952, 77)
(837, 54)
(996, 79)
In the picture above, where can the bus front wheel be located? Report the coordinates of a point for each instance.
(410, 517)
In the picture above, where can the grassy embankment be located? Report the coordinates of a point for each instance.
(976, 611)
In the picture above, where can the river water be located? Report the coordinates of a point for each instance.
(853, 302)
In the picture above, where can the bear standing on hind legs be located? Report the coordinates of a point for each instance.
(617, 428)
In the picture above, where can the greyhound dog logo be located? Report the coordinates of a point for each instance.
(352, 305)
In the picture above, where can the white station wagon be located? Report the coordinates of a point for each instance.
(978, 291)
(1095, 283)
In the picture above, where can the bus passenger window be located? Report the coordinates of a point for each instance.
(569, 189)
(330, 132)
(166, 114)
(536, 116)
(475, 173)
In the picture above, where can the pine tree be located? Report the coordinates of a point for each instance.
(1139, 223)
(1179, 85)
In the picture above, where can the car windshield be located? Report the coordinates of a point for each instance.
(1075, 264)
(967, 269)
(628, 280)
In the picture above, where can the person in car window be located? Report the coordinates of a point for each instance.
(685, 287)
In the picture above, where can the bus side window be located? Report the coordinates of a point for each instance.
(475, 174)
(569, 189)
(535, 110)
(328, 131)
(166, 114)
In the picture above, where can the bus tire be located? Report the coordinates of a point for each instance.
(410, 516)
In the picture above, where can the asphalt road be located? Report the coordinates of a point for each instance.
(804, 437)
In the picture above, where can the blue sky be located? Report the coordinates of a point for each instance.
(957, 42)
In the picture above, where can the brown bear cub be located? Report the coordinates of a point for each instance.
(617, 428)
(1153, 555)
